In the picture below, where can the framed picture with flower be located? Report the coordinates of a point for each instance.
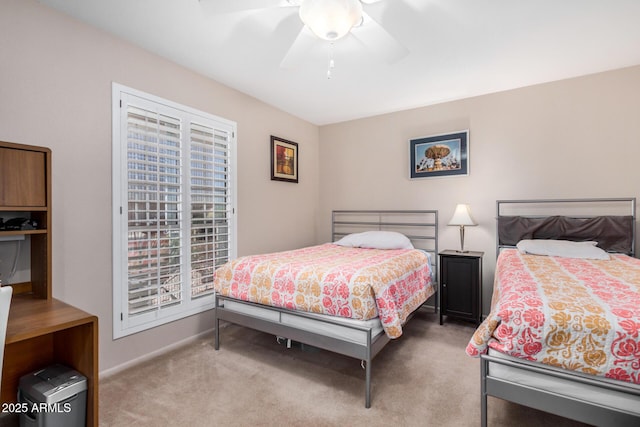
(440, 155)
(284, 160)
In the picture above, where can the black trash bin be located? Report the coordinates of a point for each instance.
(55, 396)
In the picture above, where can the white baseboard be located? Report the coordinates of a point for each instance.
(116, 369)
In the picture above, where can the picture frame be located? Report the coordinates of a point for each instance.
(439, 155)
(284, 160)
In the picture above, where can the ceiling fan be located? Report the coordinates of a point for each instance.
(325, 20)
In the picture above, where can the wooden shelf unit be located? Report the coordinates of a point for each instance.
(41, 330)
(25, 191)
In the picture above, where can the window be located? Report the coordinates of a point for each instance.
(173, 208)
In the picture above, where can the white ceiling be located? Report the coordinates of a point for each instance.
(456, 48)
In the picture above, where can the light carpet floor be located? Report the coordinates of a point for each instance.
(422, 379)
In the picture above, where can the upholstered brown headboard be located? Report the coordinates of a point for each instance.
(614, 233)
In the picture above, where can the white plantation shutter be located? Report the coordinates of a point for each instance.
(174, 209)
(154, 211)
(211, 206)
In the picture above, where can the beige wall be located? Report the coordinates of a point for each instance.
(572, 138)
(55, 91)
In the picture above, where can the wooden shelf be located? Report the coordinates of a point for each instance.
(21, 232)
(30, 317)
(23, 209)
(25, 191)
(42, 332)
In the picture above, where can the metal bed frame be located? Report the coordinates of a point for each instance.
(421, 227)
(565, 207)
(562, 404)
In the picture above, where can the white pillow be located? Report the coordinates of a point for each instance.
(376, 240)
(563, 248)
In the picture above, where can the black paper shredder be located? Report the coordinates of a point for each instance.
(55, 396)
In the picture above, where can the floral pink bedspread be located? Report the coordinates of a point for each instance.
(577, 314)
(335, 280)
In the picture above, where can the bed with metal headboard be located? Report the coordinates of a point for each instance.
(610, 222)
(294, 319)
(563, 332)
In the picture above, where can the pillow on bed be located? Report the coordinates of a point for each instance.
(563, 248)
(376, 240)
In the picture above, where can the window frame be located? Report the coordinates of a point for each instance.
(125, 324)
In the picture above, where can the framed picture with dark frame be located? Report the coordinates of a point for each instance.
(284, 160)
(439, 155)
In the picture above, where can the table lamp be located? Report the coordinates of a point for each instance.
(462, 217)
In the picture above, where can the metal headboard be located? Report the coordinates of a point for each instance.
(420, 226)
(568, 208)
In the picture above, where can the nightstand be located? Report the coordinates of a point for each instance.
(461, 285)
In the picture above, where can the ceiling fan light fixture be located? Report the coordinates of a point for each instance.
(330, 19)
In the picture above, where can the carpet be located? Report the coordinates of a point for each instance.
(424, 378)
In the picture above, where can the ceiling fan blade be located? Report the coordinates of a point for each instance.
(370, 1)
(305, 40)
(232, 6)
(378, 40)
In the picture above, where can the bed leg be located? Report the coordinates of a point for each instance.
(216, 343)
(483, 392)
(367, 393)
(216, 324)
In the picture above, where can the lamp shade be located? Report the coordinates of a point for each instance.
(462, 216)
(330, 19)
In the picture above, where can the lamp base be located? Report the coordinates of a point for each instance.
(462, 251)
